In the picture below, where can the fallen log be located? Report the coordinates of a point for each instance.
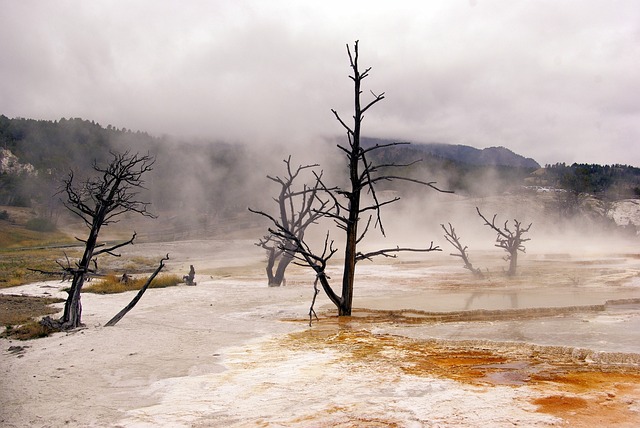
(135, 300)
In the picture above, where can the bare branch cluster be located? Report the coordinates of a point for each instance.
(296, 247)
(114, 190)
(298, 208)
(363, 173)
(508, 238)
(452, 237)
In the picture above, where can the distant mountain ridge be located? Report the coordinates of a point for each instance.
(491, 156)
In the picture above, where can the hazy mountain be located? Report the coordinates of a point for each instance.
(491, 156)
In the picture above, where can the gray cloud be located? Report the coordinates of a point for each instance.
(557, 81)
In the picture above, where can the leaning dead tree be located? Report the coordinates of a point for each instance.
(113, 321)
(100, 201)
(347, 207)
(452, 237)
(295, 213)
(509, 239)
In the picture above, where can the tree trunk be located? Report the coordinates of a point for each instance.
(278, 277)
(513, 263)
(72, 317)
(271, 261)
(73, 308)
(335, 299)
(354, 202)
(283, 259)
(349, 264)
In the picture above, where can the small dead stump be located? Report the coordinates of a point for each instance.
(189, 279)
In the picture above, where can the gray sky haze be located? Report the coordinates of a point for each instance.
(558, 81)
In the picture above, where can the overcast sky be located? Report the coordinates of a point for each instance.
(555, 80)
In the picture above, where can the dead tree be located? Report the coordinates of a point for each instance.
(302, 255)
(295, 214)
(510, 240)
(113, 321)
(452, 237)
(99, 201)
(347, 207)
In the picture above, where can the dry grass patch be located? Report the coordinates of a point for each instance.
(21, 309)
(18, 313)
(15, 265)
(112, 284)
(14, 236)
(22, 249)
(28, 331)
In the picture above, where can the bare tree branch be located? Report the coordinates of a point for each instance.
(115, 247)
(312, 312)
(390, 252)
(454, 240)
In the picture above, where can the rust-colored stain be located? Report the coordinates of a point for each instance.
(588, 397)
(577, 381)
(578, 392)
(561, 404)
(590, 410)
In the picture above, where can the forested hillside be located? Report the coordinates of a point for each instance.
(614, 181)
(196, 181)
(50, 149)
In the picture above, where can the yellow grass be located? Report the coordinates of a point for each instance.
(111, 284)
(17, 315)
(28, 331)
(15, 265)
(14, 236)
(21, 249)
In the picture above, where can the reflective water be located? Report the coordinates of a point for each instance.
(448, 300)
(617, 329)
(602, 297)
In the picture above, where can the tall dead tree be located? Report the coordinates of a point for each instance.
(295, 214)
(99, 201)
(347, 206)
(452, 237)
(509, 239)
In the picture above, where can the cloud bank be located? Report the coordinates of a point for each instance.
(556, 81)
